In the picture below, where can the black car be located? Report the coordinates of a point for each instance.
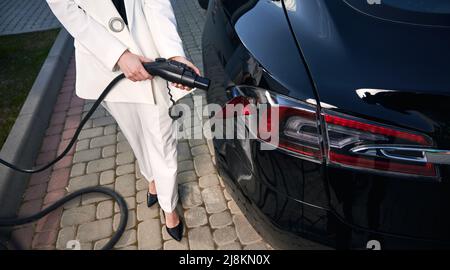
(363, 89)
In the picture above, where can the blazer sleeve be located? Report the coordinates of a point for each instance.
(88, 32)
(163, 26)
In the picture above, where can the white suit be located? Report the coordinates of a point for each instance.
(152, 33)
(140, 108)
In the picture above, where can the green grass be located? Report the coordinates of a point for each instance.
(21, 58)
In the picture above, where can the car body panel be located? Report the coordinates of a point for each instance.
(233, 56)
(345, 55)
(419, 12)
(251, 43)
(411, 62)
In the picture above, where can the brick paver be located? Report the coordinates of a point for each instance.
(49, 186)
(25, 16)
(103, 157)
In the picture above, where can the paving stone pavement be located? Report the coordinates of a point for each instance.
(25, 16)
(103, 157)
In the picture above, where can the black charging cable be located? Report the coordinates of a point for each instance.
(167, 69)
(10, 222)
(75, 137)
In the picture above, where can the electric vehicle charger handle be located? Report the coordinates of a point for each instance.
(176, 72)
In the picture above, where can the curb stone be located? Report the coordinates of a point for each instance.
(25, 138)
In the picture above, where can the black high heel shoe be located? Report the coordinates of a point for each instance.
(176, 232)
(151, 199)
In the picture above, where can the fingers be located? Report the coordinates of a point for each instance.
(130, 76)
(142, 71)
(191, 65)
(180, 86)
(145, 59)
(195, 69)
(133, 68)
(138, 74)
(144, 74)
(187, 62)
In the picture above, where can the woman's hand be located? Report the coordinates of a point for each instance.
(189, 64)
(131, 65)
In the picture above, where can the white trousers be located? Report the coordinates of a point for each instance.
(151, 134)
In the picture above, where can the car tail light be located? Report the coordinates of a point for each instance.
(337, 139)
(298, 130)
(360, 144)
(296, 126)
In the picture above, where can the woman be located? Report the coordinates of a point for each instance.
(114, 36)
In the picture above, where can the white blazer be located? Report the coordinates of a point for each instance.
(151, 32)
